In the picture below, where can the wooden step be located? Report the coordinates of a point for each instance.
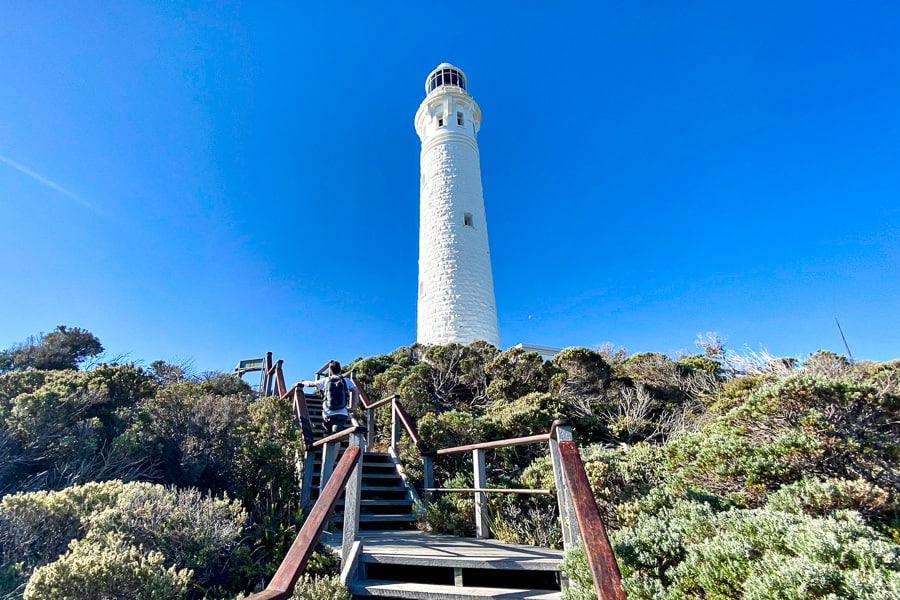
(378, 486)
(383, 488)
(424, 591)
(379, 502)
(460, 560)
(376, 518)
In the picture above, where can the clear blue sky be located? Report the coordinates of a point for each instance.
(211, 181)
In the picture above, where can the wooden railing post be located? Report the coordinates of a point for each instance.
(395, 426)
(482, 531)
(279, 379)
(352, 495)
(428, 468)
(562, 432)
(370, 423)
(266, 383)
(329, 455)
(301, 413)
(309, 464)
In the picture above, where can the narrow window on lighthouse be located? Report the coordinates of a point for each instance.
(467, 220)
(459, 119)
(440, 120)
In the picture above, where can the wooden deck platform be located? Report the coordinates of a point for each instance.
(426, 549)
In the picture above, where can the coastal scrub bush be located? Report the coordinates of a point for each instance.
(575, 567)
(320, 587)
(104, 566)
(189, 531)
(690, 551)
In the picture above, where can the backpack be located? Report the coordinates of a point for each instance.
(335, 393)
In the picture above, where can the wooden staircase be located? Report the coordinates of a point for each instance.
(383, 557)
(386, 500)
(399, 562)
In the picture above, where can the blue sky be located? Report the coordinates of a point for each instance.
(211, 181)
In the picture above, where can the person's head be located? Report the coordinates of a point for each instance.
(334, 367)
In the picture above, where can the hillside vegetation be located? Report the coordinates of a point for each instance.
(718, 475)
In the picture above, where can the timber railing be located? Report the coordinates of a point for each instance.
(345, 477)
(578, 513)
(272, 377)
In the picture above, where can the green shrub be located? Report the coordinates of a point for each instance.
(581, 376)
(528, 520)
(194, 434)
(575, 567)
(451, 513)
(699, 363)
(820, 497)
(690, 551)
(312, 587)
(36, 527)
(447, 430)
(531, 414)
(188, 530)
(516, 373)
(324, 562)
(107, 566)
(736, 390)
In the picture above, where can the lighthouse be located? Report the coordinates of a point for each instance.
(456, 287)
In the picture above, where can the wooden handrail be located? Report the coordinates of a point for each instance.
(381, 402)
(282, 585)
(363, 396)
(532, 439)
(599, 552)
(301, 411)
(336, 436)
(407, 421)
(279, 379)
(525, 491)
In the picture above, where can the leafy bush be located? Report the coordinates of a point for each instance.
(826, 497)
(451, 513)
(186, 529)
(581, 377)
(61, 349)
(532, 521)
(37, 527)
(194, 434)
(515, 373)
(531, 414)
(575, 567)
(63, 427)
(107, 566)
(689, 551)
(312, 587)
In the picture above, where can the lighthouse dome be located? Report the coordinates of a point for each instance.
(445, 75)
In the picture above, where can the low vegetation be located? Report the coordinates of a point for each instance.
(719, 475)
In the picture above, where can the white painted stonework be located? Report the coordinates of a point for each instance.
(456, 287)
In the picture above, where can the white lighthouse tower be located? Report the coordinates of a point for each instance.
(456, 287)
